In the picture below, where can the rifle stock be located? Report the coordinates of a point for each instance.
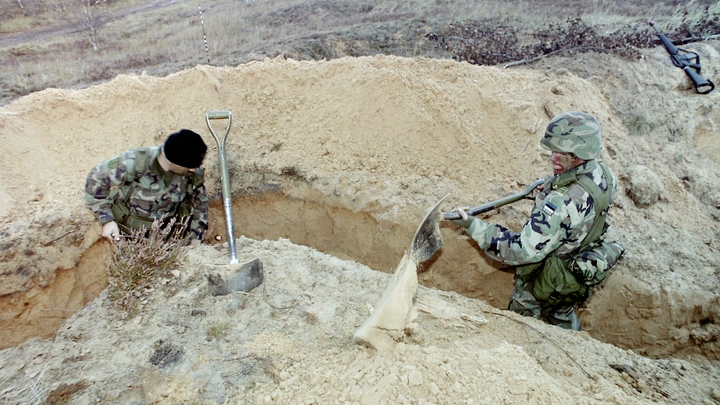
(702, 85)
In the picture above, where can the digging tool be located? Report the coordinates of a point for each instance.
(389, 320)
(497, 203)
(394, 313)
(237, 277)
(245, 278)
(224, 177)
(427, 240)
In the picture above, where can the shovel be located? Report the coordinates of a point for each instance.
(427, 240)
(249, 275)
(497, 203)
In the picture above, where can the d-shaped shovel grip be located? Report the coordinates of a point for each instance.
(220, 114)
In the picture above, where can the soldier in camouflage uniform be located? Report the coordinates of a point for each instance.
(144, 184)
(560, 253)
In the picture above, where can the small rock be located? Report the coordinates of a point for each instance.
(715, 394)
(415, 378)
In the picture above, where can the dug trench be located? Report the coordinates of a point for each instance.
(346, 156)
(333, 230)
(379, 244)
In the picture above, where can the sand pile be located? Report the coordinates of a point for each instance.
(345, 156)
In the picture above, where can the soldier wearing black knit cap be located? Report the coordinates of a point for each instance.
(143, 185)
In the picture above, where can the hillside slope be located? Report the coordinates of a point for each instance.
(345, 156)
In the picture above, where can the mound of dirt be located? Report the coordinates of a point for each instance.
(345, 156)
(289, 342)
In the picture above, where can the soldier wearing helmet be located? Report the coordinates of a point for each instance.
(560, 253)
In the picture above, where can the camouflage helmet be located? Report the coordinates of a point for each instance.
(574, 132)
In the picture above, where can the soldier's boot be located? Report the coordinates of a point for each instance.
(565, 317)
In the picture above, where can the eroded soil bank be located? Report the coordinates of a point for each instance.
(345, 156)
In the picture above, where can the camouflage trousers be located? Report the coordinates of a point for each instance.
(524, 303)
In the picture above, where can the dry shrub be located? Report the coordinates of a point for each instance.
(487, 43)
(140, 260)
(638, 123)
(490, 43)
(696, 24)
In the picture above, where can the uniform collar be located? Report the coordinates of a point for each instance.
(167, 176)
(570, 176)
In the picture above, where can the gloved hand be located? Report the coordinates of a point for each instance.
(465, 220)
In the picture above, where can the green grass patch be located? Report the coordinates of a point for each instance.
(218, 330)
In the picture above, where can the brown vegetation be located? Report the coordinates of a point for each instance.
(77, 43)
(333, 163)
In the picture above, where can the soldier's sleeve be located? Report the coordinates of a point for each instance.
(101, 185)
(615, 186)
(199, 218)
(549, 226)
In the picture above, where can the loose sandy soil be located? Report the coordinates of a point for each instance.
(333, 165)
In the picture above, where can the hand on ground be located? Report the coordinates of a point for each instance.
(111, 231)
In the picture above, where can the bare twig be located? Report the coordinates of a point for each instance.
(573, 48)
(59, 309)
(546, 337)
(311, 318)
(58, 238)
(688, 40)
(34, 392)
(265, 362)
(531, 60)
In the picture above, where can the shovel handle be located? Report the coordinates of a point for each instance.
(220, 114)
(224, 177)
(497, 203)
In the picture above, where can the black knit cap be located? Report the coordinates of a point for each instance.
(185, 148)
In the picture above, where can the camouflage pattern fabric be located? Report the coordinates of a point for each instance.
(156, 194)
(524, 303)
(574, 132)
(560, 220)
(594, 263)
(562, 217)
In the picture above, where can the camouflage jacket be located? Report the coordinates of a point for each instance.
(156, 194)
(560, 221)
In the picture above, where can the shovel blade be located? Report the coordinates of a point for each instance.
(246, 277)
(427, 240)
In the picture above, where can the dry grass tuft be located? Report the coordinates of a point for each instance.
(217, 331)
(140, 260)
(638, 123)
(25, 390)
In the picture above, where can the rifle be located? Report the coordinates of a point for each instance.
(687, 62)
